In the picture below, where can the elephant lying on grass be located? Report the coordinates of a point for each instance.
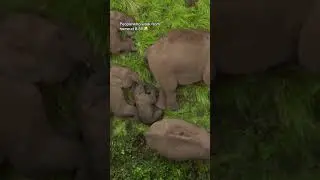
(122, 78)
(145, 97)
(117, 43)
(177, 139)
(142, 104)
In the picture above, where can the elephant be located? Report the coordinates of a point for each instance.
(35, 49)
(145, 97)
(122, 78)
(178, 140)
(182, 57)
(117, 43)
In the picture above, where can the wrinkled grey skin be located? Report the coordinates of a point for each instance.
(27, 140)
(117, 44)
(95, 123)
(245, 44)
(120, 78)
(178, 140)
(309, 42)
(35, 49)
(180, 58)
(145, 98)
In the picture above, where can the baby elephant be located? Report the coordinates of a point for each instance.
(122, 78)
(117, 44)
(27, 140)
(145, 98)
(182, 57)
(178, 140)
(34, 49)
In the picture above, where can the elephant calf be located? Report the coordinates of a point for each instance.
(145, 98)
(177, 139)
(118, 44)
(122, 78)
(182, 57)
(34, 49)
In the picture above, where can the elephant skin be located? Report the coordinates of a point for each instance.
(182, 57)
(120, 78)
(117, 44)
(35, 49)
(178, 140)
(145, 97)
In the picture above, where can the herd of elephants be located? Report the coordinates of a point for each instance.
(248, 36)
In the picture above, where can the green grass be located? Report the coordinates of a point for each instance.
(268, 127)
(130, 159)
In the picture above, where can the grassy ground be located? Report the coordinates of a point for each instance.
(268, 126)
(130, 159)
